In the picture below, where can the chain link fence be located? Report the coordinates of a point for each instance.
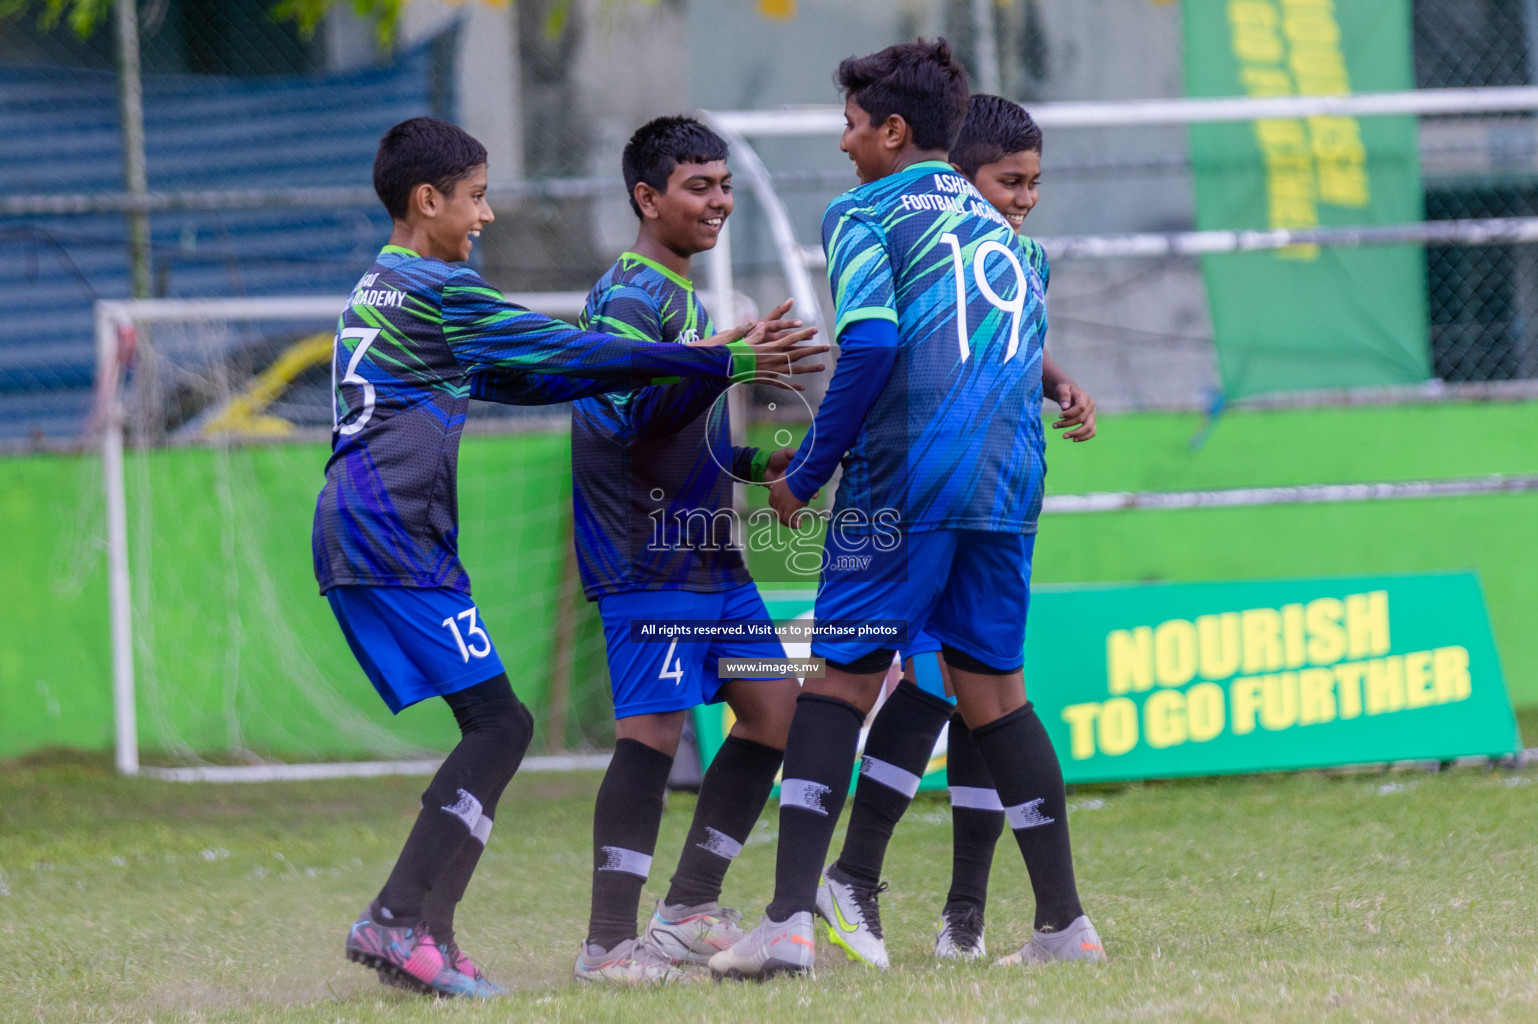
(260, 137)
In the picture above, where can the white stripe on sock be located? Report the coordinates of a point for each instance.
(1027, 815)
(805, 794)
(889, 775)
(467, 809)
(976, 798)
(720, 844)
(482, 829)
(631, 862)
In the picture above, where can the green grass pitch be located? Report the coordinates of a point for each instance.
(1391, 896)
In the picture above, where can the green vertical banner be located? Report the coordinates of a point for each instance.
(1307, 317)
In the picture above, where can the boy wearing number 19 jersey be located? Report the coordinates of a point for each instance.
(999, 151)
(413, 345)
(934, 412)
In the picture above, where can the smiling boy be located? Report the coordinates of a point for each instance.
(652, 473)
(416, 337)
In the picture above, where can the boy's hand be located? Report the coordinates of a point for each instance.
(1078, 411)
(778, 460)
(778, 326)
(784, 503)
(776, 346)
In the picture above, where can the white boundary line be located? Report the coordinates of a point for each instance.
(1310, 494)
(356, 769)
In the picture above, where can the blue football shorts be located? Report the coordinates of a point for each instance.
(925, 652)
(967, 589)
(415, 643)
(651, 677)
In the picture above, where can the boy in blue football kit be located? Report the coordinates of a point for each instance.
(652, 476)
(418, 338)
(934, 412)
(999, 151)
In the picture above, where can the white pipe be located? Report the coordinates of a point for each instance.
(750, 168)
(120, 606)
(829, 120)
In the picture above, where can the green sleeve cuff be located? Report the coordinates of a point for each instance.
(864, 313)
(759, 466)
(744, 360)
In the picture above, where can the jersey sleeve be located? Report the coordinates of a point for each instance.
(487, 332)
(859, 269)
(867, 353)
(666, 406)
(515, 387)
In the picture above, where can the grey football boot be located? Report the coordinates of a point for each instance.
(1079, 941)
(772, 948)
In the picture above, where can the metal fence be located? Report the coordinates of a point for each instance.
(259, 140)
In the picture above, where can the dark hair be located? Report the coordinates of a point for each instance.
(994, 128)
(662, 144)
(918, 81)
(423, 150)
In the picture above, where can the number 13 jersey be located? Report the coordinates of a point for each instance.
(954, 440)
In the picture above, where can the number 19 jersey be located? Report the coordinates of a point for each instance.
(954, 440)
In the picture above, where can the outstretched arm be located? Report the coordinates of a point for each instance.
(486, 331)
(515, 387)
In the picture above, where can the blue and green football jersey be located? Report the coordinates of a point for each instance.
(412, 346)
(954, 440)
(652, 468)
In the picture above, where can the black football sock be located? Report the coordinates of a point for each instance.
(1029, 781)
(626, 818)
(818, 759)
(897, 751)
(476, 770)
(977, 818)
(474, 714)
(732, 796)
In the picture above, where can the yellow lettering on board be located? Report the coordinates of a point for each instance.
(1129, 660)
(1118, 726)
(1450, 670)
(1367, 624)
(1326, 637)
(1316, 696)
(1174, 648)
(1385, 685)
(1279, 701)
(1262, 631)
(1349, 679)
(1418, 690)
(1081, 729)
(1164, 719)
(1219, 646)
(1294, 654)
(1244, 699)
(1204, 711)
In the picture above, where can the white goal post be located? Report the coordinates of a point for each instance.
(117, 323)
